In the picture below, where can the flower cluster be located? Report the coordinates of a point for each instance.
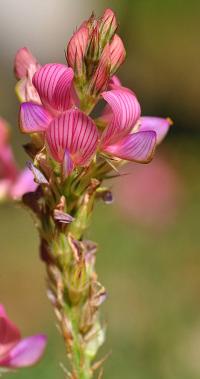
(15, 351)
(57, 100)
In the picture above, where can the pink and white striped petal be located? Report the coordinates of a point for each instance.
(125, 113)
(33, 118)
(138, 147)
(75, 132)
(25, 353)
(22, 62)
(54, 83)
(117, 53)
(158, 124)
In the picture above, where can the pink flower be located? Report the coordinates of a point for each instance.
(119, 139)
(13, 182)
(72, 136)
(15, 351)
(128, 135)
(53, 83)
(94, 53)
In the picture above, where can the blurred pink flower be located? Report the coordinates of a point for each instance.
(15, 351)
(150, 194)
(13, 182)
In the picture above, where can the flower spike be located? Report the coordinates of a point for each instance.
(73, 153)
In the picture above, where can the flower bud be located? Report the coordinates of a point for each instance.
(76, 49)
(108, 26)
(101, 76)
(117, 53)
(93, 52)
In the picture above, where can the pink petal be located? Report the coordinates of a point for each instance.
(100, 78)
(75, 132)
(23, 60)
(125, 112)
(117, 53)
(2, 311)
(9, 333)
(24, 183)
(25, 353)
(33, 118)
(114, 82)
(25, 89)
(68, 164)
(53, 83)
(158, 124)
(76, 49)
(138, 147)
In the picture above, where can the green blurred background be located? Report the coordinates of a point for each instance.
(150, 264)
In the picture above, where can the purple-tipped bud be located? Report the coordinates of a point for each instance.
(38, 175)
(76, 49)
(62, 217)
(117, 53)
(108, 25)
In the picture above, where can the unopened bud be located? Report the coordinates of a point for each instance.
(117, 53)
(101, 76)
(108, 26)
(76, 50)
(93, 52)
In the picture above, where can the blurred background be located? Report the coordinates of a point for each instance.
(149, 257)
